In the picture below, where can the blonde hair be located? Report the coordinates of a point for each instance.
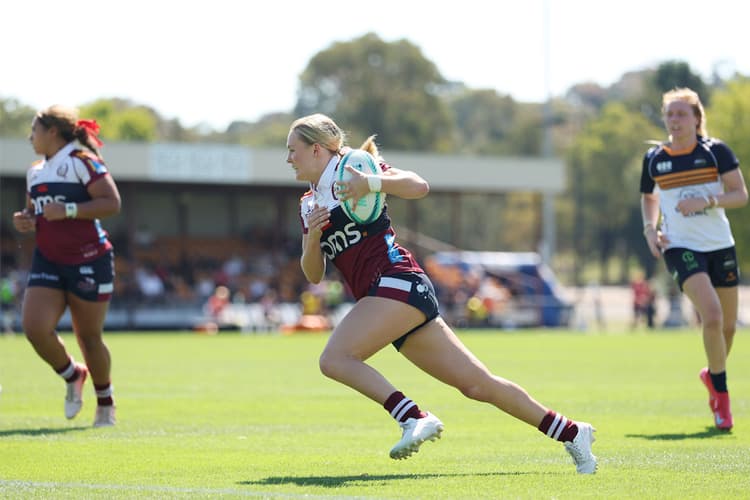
(65, 120)
(320, 129)
(691, 97)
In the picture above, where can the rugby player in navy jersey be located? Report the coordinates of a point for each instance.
(396, 302)
(686, 185)
(68, 191)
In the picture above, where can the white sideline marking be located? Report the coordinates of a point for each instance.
(18, 484)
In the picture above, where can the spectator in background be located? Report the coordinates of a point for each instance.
(217, 303)
(685, 220)
(233, 269)
(8, 292)
(643, 301)
(72, 267)
(396, 302)
(596, 300)
(213, 309)
(150, 284)
(204, 284)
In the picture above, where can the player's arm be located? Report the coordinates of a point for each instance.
(650, 209)
(404, 184)
(24, 220)
(313, 261)
(650, 214)
(105, 202)
(735, 190)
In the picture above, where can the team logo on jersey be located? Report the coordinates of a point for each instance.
(393, 254)
(62, 170)
(688, 193)
(308, 205)
(86, 270)
(86, 285)
(664, 166)
(99, 168)
(688, 258)
(338, 241)
(92, 162)
(700, 162)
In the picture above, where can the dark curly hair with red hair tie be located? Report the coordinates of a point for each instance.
(71, 128)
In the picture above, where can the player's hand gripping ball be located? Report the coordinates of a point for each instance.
(369, 207)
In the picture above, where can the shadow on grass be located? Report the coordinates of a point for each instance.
(708, 433)
(41, 432)
(338, 481)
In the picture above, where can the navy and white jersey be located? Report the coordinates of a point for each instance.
(362, 253)
(696, 173)
(65, 178)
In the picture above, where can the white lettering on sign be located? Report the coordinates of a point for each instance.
(197, 163)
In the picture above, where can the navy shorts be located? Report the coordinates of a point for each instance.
(720, 265)
(414, 289)
(92, 281)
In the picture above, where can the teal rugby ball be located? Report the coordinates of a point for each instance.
(369, 207)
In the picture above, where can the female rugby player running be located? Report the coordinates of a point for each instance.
(698, 178)
(68, 191)
(396, 302)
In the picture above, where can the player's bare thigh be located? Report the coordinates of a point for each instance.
(372, 324)
(42, 309)
(729, 299)
(704, 297)
(437, 350)
(88, 316)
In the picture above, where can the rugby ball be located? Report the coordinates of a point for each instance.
(369, 207)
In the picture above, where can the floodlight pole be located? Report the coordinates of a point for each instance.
(549, 228)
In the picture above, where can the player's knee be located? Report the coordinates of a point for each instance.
(729, 328)
(328, 364)
(34, 331)
(474, 391)
(711, 319)
(90, 342)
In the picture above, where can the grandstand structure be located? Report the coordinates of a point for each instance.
(199, 204)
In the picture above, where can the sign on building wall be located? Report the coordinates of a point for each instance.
(199, 163)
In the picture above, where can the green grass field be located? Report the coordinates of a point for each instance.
(251, 416)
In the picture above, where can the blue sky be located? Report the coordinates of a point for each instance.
(224, 60)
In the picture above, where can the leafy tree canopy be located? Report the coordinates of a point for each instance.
(370, 86)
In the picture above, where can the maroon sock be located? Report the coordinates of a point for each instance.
(104, 394)
(70, 372)
(402, 408)
(558, 427)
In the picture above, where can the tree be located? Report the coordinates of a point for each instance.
(728, 118)
(270, 130)
(15, 118)
(669, 75)
(370, 86)
(120, 120)
(484, 122)
(605, 166)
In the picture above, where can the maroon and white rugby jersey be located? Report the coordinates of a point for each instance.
(362, 253)
(64, 178)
